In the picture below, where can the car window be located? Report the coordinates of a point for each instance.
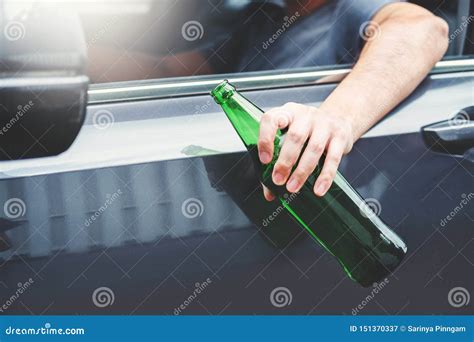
(154, 39)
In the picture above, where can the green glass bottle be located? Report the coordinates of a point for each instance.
(366, 247)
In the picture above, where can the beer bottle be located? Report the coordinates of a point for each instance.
(367, 249)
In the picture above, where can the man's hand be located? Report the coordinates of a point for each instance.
(408, 42)
(322, 131)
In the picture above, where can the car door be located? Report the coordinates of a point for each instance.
(155, 209)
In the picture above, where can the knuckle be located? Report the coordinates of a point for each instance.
(266, 118)
(290, 104)
(303, 171)
(316, 147)
(291, 107)
(314, 111)
(264, 142)
(328, 175)
(341, 132)
(335, 127)
(284, 164)
(295, 136)
(334, 159)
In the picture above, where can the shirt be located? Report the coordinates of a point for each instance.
(271, 38)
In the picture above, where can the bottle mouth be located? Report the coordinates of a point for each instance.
(222, 92)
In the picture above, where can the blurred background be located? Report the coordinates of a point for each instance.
(147, 39)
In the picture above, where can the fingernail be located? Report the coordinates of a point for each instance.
(292, 185)
(268, 197)
(265, 157)
(278, 178)
(321, 188)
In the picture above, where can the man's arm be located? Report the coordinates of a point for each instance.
(408, 41)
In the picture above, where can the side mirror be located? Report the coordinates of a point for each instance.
(43, 87)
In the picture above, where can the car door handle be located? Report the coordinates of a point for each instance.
(453, 136)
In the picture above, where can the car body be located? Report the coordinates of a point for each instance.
(155, 207)
(157, 197)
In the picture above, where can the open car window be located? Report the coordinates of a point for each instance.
(161, 39)
(155, 39)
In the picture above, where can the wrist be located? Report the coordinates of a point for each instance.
(345, 117)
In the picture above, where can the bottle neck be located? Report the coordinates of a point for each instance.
(243, 114)
(245, 117)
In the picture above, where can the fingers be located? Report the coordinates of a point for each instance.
(336, 149)
(309, 160)
(268, 194)
(330, 133)
(270, 123)
(295, 139)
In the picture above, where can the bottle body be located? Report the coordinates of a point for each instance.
(367, 249)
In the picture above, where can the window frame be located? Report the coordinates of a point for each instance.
(102, 93)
